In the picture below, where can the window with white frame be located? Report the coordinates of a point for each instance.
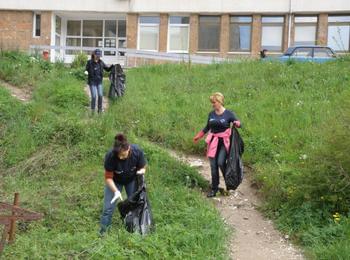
(178, 33)
(209, 33)
(148, 33)
(272, 33)
(305, 29)
(36, 25)
(92, 34)
(96, 34)
(240, 33)
(339, 33)
(74, 35)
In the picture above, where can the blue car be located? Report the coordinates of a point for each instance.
(309, 53)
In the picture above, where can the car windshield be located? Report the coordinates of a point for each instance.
(289, 51)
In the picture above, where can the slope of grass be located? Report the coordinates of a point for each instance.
(52, 153)
(296, 123)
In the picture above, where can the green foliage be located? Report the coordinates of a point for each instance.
(52, 153)
(294, 126)
(78, 66)
(332, 176)
(79, 61)
(22, 70)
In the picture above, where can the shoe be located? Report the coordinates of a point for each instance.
(211, 194)
(102, 231)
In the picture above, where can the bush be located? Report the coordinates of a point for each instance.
(79, 61)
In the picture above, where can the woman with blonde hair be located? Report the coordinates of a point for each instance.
(218, 138)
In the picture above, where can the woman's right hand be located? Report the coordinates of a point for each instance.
(198, 136)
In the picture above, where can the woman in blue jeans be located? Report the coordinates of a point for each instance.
(94, 69)
(122, 163)
(218, 128)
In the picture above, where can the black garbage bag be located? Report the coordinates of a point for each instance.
(118, 81)
(234, 167)
(136, 210)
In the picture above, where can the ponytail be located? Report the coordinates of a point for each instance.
(120, 143)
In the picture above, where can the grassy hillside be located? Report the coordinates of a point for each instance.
(296, 121)
(296, 125)
(52, 153)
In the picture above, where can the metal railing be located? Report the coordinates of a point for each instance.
(124, 53)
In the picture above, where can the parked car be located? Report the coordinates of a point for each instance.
(315, 53)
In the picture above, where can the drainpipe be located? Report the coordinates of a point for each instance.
(290, 23)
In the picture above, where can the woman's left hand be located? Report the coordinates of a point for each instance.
(237, 124)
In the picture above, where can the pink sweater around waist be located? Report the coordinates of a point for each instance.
(212, 141)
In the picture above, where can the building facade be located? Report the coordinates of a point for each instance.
(224, 28)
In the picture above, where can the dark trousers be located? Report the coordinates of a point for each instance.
(218, 162)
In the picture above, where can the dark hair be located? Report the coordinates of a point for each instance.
(120, 143)
(92, 56)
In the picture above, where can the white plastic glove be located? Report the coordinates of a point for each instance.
(141, 171)
(86, 72)
(117, 195)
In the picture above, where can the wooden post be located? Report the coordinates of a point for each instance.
(13, 222)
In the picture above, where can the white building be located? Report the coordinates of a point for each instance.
(221, 28)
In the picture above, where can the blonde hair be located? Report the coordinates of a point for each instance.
(218, 97)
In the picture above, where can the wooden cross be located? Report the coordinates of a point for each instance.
(9, 221)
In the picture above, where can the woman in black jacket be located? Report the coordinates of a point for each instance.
(94, 69)
(218, 128)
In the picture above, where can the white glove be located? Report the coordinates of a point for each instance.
(141, 171)
(86, 72)
(117, 195)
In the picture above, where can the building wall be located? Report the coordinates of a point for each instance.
(322, 30)
(67, 5)
(166, 6)
(163, 33)
(256, 35)
(16, 29)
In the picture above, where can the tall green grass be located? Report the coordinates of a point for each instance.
(52, 153)
(295, 125)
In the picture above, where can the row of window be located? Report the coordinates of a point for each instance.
(240, 33)
(112, 33)
(96, 33)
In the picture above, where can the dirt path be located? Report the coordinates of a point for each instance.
(254, 237)
(21, 94)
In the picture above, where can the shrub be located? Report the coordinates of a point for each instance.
(79, 61)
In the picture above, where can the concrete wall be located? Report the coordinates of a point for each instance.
(319, 6)
(67, 5)
(16, 29)
(193, 6)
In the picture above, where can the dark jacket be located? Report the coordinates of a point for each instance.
(95, 70)
(234, 168)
